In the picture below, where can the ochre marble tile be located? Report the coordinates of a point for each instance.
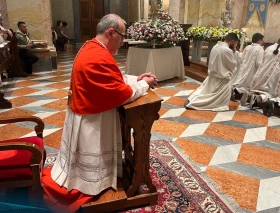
(12, 131)
(207, 116)
(162, 111)
(273, 134)
(58, 78)
(199, 152)
(251, 118)
(23, 91)
(259, 156)
(233, 105)
(59, 85)
(226, 132)
(58, 105)
(56, 119)
(166, 92)
(244, 190)
(21, 101)
(176, 101)
(16, 113)
(53, 140)
(26, 83)
(58, 94)
(169, 127)
(188, 86)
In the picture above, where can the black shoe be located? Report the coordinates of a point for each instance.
(186, 103)
(270, 108)
(265, 107)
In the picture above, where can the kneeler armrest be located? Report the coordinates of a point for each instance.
(38, 128)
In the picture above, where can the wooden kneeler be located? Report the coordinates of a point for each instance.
(139, 116)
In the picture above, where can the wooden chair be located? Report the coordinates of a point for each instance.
(21, 160)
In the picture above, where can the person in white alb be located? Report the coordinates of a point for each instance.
(215, 92)
(265, 87)
(251, 60)
(90, 155)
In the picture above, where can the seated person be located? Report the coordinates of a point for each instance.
(215, 92)
(265, 87)
(62, 38)
(24, 45)
(251, 60)
(90, 156)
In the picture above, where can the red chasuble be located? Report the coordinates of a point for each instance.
(97, 84)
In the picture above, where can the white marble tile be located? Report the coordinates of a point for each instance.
(43, 115)
(225, 154)
(10, 97)
(67, 62)
(269, 194)
(192, 80)
(41, 84)
(184, 93)
(243, 107)
(273, 121)
(66, 81)
(15, 88)
(255, 134)
(173, 113)
(165, 98)
(43, 73)
(46, 132)
(39, 103)
(4, 110)
(43, 92)
(195, 129)
(224, 116)
(43, 77)
(2, 125)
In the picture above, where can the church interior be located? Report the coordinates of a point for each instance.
(197, 160)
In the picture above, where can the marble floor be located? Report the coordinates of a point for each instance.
(237, 151)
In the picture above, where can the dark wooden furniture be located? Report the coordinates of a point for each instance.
(9, 57)
(28, 152)
(139, 116)
(185, 45)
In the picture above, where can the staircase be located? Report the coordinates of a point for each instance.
(197, 70)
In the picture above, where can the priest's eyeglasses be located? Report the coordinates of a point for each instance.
(123, 36)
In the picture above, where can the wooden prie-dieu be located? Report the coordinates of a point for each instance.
(138, 116)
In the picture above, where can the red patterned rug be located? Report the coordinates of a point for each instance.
(180, 188)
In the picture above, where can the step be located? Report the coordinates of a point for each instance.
(196, 74)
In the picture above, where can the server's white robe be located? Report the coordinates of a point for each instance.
(251, 60)
(215, 92)
(266, 81)
(90, 156)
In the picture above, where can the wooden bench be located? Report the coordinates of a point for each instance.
(139, 116)
(9, 57)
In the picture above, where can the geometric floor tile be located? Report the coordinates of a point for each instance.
(273, 134)
(255, 134)
(195, 129)
(225, 154)
(173, 113)
(224, 116)
(269, 194)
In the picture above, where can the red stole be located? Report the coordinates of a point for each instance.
(97, 84)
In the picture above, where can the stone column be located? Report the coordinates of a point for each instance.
(4, 14)
(120, 7)
(134, 10)
(77, 27)
(177, 10)
(36, 14)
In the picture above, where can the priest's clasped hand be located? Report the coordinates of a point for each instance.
(149, 78)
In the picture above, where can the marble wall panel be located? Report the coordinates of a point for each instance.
(192, 13)
(36, 14)
(272, 26)
(238, 12)
(165, 5)
(177, 10)
(62, 10)
(4, 14)
(210, 12)
(120, 7)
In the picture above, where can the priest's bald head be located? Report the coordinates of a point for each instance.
(110, 31)
(232, 40)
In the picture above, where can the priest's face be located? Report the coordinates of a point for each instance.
(118, 36)
(233, 44)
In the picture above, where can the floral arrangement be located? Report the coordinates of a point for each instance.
(211, 34)
(160, 28)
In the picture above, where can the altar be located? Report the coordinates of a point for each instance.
(165, 63)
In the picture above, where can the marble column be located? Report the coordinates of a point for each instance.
(177, 10)
(120, 7)
(192, 12)
(77, 27)
(165, 5)
(134, 10)
(4, 14)
(36, 14)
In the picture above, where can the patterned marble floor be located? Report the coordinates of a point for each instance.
(239, 150)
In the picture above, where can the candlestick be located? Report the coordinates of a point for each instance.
(242, 41)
